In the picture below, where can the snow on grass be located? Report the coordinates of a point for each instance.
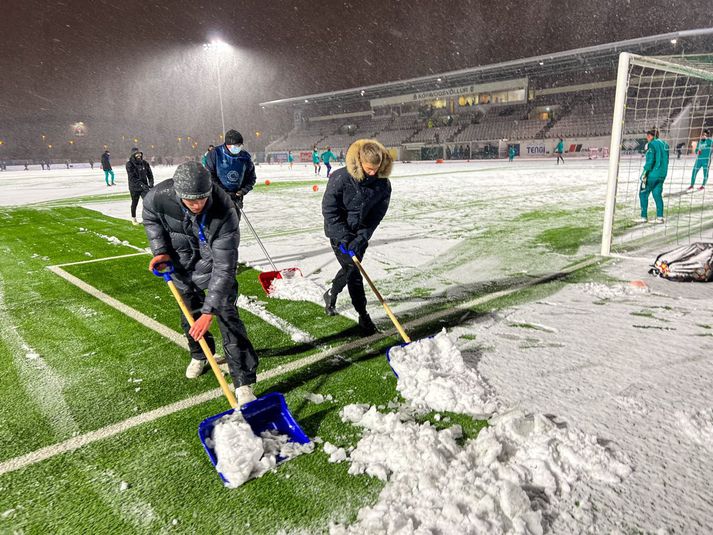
(604, 291)
(513, 477)
(252, 305)
(697, 425)
(241, 455)
(297, 289)
(491, 484)
(433, 376)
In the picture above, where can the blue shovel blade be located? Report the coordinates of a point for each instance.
(267, 413)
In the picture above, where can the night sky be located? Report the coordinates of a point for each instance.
(142, 61)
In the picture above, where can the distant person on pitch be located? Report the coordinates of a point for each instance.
(290, 159)
(559, 151)
(703, 160)
(106, 167)
(315, 161)
(327, 156)
(191, 222)
(204, 159)
(355, 202)
(652, 179)
(511, 153)
(140, 177)
(231, 168)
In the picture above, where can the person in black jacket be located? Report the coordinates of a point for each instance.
(140, 177)
(355, 202)
(231, 168)
(106, 167)
(191, 222)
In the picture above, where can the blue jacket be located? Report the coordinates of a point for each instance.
(233, 173)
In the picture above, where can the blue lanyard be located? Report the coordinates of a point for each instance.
(201, 226)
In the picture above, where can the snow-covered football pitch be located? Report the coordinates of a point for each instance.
(565, 399)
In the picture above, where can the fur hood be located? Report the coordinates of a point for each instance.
(353, 163)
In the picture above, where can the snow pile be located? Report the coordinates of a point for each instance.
(698, 425)
(505, 480)
(317, 398)
(602, 291)
(297, 289)
(252, 305)
(336, 454)
(241, 455)
(432, 375)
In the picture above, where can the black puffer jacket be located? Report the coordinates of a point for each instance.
(174, 230)
(354, 203)
(139, 173)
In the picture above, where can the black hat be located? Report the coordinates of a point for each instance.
(192, 181)
(652, 132)
(233, 137)
(707, 132)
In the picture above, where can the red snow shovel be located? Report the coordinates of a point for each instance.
(266, 413)
(266, 277)
(387, 308)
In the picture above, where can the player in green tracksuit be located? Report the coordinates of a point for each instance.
(703, 159)
(315, 161)
(559, 151)
(290, 158)
(511, 153)
(652, 179)
(326, 157)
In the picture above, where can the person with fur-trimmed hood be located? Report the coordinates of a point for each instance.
(192, 223)
(355, 202)
(140, 178)
(231, 167)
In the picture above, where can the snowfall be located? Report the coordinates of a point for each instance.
(598, 396)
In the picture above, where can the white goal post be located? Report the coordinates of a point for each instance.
(673, 95)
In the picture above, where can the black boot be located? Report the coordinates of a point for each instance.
(367, 326)
(329, 303)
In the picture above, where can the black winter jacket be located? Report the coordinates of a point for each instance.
(139, 173)
(209, 262)
(106, 163)
(353, 209)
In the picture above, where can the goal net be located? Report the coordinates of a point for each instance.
(673, 95)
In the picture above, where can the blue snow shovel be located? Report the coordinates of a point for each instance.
(392, 317)
(266, 413)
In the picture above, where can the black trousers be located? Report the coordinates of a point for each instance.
(350, 277)
(239, 352)
(135, 195)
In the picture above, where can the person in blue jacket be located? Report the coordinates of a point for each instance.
(232, 169)
(652, 179)
(315, 160)
(327, 156)
(703, 160)
(559, 151)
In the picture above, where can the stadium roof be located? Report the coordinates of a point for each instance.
(577, 59)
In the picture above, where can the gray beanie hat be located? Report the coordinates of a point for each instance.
(192, 181)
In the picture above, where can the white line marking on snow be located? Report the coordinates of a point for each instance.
(77, 442)
(94, 260)
(146, 321)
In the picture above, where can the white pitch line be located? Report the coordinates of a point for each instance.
(77, 442)
(143, 319)
(94, 260)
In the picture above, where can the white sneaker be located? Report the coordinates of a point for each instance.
(133, 221)
(196, 368)
(245, 395)
(659, 220)
(640, 220)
